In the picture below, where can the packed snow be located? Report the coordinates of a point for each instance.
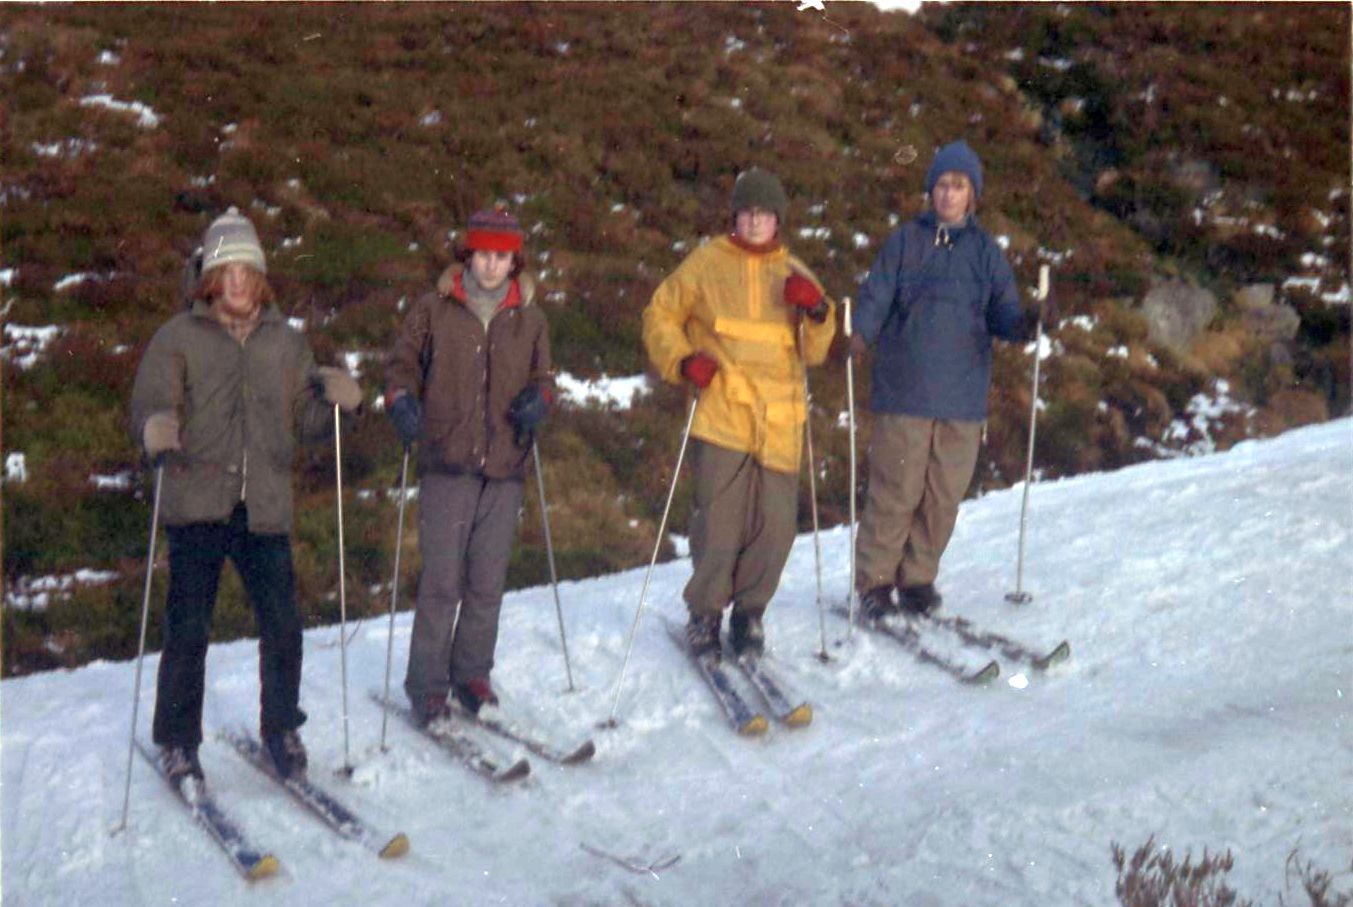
(1207, 703)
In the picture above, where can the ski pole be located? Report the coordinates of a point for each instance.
(141, 646)
(812, 494)
(549, 552)
(657, 545)
(1019, 596)
(394, 589)
(850, 418)
(342, 587)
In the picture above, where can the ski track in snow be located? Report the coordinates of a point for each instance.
(1208, 601)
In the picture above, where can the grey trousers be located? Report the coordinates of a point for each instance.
(919, 470)
(466, 526)
(741, 531)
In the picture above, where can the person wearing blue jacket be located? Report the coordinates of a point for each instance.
(939, 291)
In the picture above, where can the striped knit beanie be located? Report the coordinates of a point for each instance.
(231, 237)
(493, 230)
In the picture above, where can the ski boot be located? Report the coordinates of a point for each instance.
(474, 694)
(702, 634)
(921, 599)
(878, 603)
(746, 634)
(287, 753)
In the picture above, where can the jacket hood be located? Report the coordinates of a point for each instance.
(449, 286)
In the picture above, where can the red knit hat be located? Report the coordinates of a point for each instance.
(493, 230)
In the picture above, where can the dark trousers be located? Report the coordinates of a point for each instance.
(196, 554)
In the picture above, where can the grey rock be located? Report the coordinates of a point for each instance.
(1177, 311)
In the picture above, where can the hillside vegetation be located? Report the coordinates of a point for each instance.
(1190, 147)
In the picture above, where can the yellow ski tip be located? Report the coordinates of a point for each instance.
(398, 847)
(265, 867)
(800, 717)
(755, 727)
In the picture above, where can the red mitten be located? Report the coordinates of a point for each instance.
(802, 292)
(699, 369)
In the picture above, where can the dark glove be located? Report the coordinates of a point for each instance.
(699, 369)
(526, 411)
(802, 294)
(407, 417)
(857, 346)
(1045, 311)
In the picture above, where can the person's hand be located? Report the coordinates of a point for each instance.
(407, 417)
(802, 292)
(857, 346)
(339, 388)
(699, 369)
(1044, 310)
(160, 434)
(803, 295)
(526, 411)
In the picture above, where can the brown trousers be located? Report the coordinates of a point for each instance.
(466, 524)
(919, 470)
(741, 532)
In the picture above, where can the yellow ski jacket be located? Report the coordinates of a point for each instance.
(728, 302)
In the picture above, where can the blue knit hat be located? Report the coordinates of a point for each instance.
(958, 157)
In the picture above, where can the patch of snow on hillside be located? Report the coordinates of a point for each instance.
(619, 392)
(24, 344)
(146, 118)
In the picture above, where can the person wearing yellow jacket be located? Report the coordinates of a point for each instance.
(739, 320)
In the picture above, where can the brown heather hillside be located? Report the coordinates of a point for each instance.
(1126, 144)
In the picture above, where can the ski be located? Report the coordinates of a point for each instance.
(314, 798)
(745, 721)
(782, 707)
(490, 719)
(247, 859)
(455, 741)
(1010, 648)
(905, 633)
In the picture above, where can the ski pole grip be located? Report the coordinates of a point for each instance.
(850, 330)
(1042, 283)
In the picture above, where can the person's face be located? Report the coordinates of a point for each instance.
(756, 225)
(952, 196)
(237, 290)
(490, 269)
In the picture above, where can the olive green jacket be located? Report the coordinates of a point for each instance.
(241, 407)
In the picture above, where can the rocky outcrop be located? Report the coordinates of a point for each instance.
(1176, 311)
(1266, 319)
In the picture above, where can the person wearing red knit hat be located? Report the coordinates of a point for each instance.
(469, 381)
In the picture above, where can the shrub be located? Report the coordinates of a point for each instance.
(1152, 878)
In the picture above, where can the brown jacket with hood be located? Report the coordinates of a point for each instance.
(466, 376)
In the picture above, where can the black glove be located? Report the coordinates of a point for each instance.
(407, 416)
(1046, 311)
(526, 411)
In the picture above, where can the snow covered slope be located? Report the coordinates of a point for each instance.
(1209, 603)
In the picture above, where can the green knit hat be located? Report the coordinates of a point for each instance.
(757, 188)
